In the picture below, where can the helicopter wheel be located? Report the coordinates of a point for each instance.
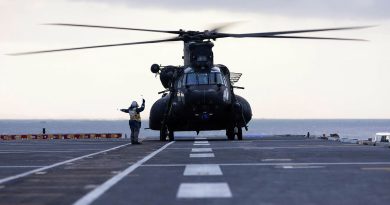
(239, 133)
(230, 133)
(163, 133)
(171, 135)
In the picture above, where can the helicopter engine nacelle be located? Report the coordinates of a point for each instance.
(167, 75)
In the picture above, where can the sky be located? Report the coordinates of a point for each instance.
(283, 78)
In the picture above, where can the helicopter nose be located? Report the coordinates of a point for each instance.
(204, 97)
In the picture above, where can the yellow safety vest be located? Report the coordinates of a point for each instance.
(134, 115)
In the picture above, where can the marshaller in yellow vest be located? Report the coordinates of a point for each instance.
(135, 119)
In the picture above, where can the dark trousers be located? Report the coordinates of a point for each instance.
(135, 126)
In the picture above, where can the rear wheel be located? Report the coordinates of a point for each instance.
(239, 133)
(163, 133)
(230, 133)
(171, 135)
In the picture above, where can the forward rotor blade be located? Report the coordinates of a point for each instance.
(222, 26)
(98, 46)
(111, 27)
(316, 38)
(264, 34)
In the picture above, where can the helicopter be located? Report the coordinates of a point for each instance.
(199, 95)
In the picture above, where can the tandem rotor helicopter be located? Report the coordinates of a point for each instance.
(199, 95)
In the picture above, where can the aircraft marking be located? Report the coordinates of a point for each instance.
(202, 170)
(10, 178)
(101, 189)
(201, 150)
(204, 190)
(202, 155)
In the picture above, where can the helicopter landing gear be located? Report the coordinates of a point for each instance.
(171, 135)
(238, 133)
(232, 132)
(165, 133)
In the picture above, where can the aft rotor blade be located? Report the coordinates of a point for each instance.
(316, 38)
(111, 27)
(98, 46)
(264, 34)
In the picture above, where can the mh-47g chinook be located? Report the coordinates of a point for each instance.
(199, 95)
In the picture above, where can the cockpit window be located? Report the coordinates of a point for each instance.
(216, 78)
(211, 78)
(191, 79)
(203, 78)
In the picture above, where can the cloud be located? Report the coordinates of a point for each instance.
(346, 9)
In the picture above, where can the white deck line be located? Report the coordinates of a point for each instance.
(202, 155)
(100, 190)
(19, 166)
(276, 164)
(299, 167)
(202, 170)
(271, 148)
(24, 152)
(201, 150)
(7, 179)
(201, 142)
(59, 150)
(204, 190)
(276, 160)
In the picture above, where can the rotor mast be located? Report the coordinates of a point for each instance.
(198, 54)
(186, 54)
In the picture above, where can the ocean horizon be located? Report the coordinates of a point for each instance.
(349, 128)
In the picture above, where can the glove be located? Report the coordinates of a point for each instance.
(143, 101)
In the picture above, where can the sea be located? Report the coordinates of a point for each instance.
(346, 128)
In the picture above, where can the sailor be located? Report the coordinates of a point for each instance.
(135, 119)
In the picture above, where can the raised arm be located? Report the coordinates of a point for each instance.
(140, 109)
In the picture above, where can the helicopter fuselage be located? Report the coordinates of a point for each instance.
(199, 95)
(201, 101)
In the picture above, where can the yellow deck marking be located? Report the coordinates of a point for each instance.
(376, 168)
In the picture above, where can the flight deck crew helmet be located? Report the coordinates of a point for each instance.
(134, 104)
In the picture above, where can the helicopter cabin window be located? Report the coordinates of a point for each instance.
(179, 82)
